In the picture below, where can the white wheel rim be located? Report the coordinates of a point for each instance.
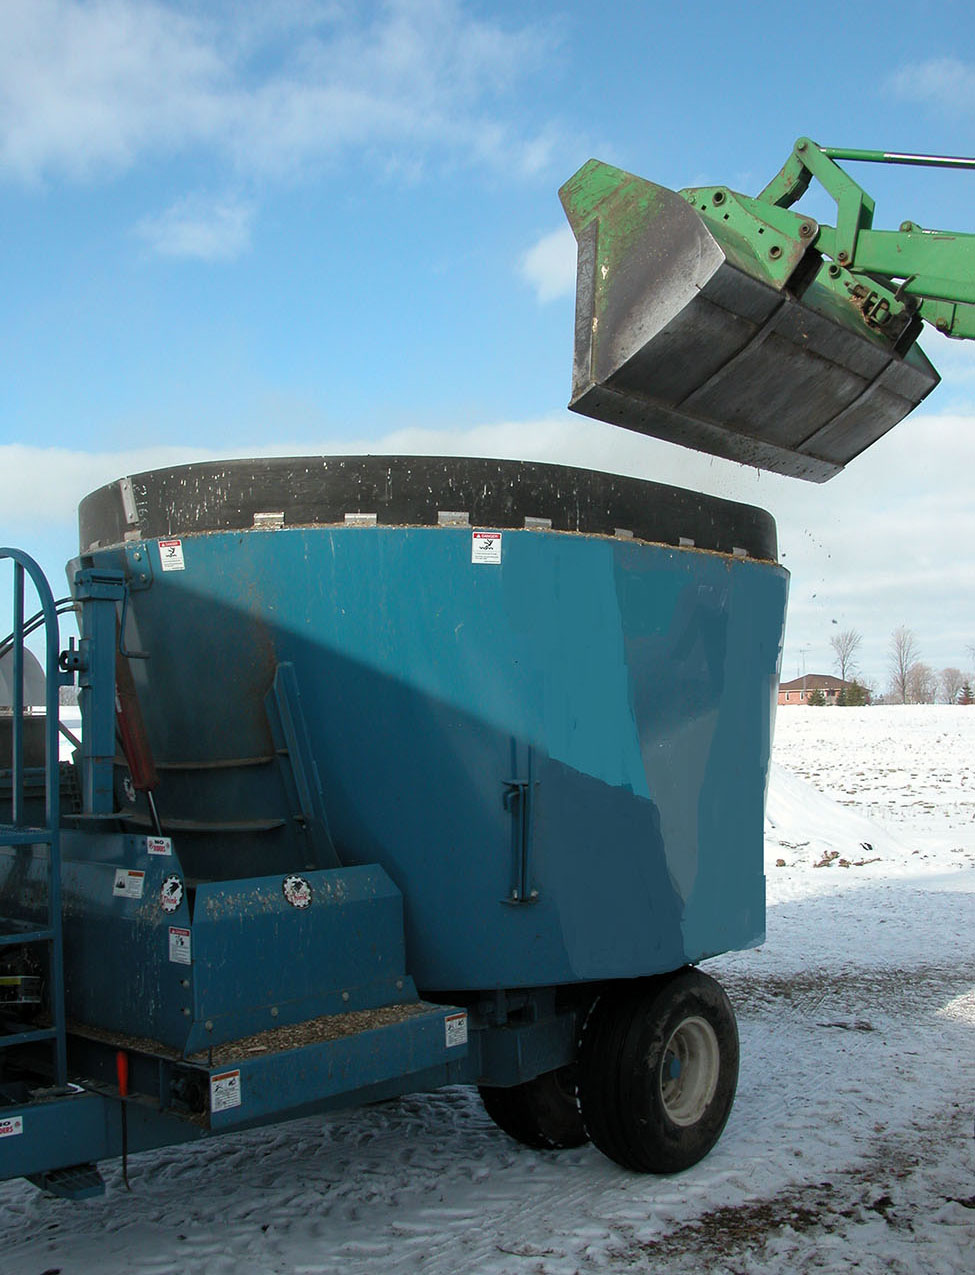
(689, 1071)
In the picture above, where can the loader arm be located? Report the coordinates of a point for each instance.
(737, 326)
(936, 267)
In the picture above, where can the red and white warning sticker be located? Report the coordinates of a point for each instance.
(486, 546)
(159, 845)
(455, 1029)
(180, 950)
(11, 1126)
(225, 1091)
(171, 555)
(129, 883)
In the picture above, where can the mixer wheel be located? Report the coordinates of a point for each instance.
(542, 1113)
(658, 1069)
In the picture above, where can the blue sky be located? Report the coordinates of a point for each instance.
(233, 228)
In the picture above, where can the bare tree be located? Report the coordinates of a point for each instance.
(904, 652)
(950, 682)
(845, 646)
(922, 684)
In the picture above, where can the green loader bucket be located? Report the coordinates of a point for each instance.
(699, 324)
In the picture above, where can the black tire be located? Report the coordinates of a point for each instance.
(658, 1069)
(542, 1113)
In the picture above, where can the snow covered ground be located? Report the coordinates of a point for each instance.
(850, 1147)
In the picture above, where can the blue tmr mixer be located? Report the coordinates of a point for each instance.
(397, 772)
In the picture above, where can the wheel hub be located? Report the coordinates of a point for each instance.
(689, 1071)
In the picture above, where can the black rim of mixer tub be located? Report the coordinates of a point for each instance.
(416, 491)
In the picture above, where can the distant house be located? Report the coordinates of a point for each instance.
(799, 691)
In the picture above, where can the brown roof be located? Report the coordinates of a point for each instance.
(814, 682)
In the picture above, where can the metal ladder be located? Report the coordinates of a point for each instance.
(15, 932)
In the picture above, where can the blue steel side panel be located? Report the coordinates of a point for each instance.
(415, 1054)
(54, 1134)
(643, 678)
(253, 952)
(118, 975)
(250, 951)
(274, 1085)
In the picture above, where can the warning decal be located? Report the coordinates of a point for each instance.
(128, 883)
(179, 946)
(224, 1091)
(455, 1028)
(171, 555)
(486, 546)
(11, 1126)
(159, 845)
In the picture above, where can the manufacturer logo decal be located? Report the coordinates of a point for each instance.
(297, 891)
(171, 894)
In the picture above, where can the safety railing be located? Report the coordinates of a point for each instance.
(19, 931)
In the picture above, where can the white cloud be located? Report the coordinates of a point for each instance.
(947, 83)
(550, 265)
(207, 229)
(90, 87)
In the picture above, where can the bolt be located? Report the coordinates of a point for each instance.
(137, 556)
(775, 252)
(274, 1011)
(718, 198)
(942, 325)
(834, 272)
(209, 1025)
(399, 984)
(801, 146)
(345, 996)
(806, 229)
(842, 257)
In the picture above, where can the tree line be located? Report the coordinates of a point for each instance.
(910, 679)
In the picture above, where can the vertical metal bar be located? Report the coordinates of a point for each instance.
(52, 814)
(98, 593)
(527, 827)
(519, 800)
(17, 724)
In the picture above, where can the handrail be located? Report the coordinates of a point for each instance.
(24, 564)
